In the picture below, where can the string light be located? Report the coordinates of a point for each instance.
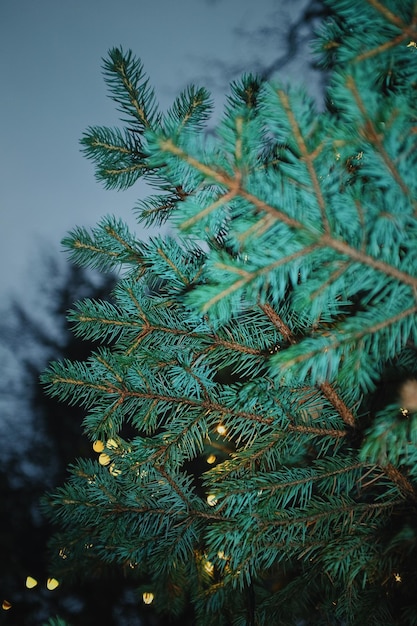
(148, 597)
(114, 471)
(211, 459)
(31, 582)
(6, 605)
(63, 553)
(52, 583)
(221, 429)
(211, 499)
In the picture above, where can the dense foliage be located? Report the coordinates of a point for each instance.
(253, 400)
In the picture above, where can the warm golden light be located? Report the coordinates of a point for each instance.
(111, 444)
(148, 597)
(62, 553)
(104, 459)
(211, 499)
(209, 567)
(114, 471)
(221, 429)
(31, 582)
(6, 605)
(52, 583)
(211, 459)
(397, 577)
(98, 446)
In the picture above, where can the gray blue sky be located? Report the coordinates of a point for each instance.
(52, 88)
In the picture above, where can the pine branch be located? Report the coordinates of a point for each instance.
(405, 486)
(307, 156)
(324, 240)
(130, 88)
(374, 137)
(388, 15)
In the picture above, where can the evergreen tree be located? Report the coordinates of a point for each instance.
(253, 402)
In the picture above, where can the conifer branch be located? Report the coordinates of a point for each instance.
(77, 244)
(367, 260)
(355, 337)
(371, 134)
(336, 401)
(351, 508)
(407, 32)
(324, 240)
(405, 486)
(385, 47)
(388, 14)
(307, 157)
(248, 276)
(326, 388)
(175, 267)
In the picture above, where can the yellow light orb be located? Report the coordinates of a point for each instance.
(112, 444)
(31, 582)
(114, 471)
(63, 553)
(104, 459)
(211, 499)
(221, 429)
(98, 446)
(148, 597)
(6, 605)
(211, 459)
(52, 583)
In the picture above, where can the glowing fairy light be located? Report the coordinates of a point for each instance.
(114, 471)
(98, 446)
(221, 429)
(148, 597)
(211, 459)
(31, 582)
(211, 499)
(104, 459)
(52, 583)
(6, 605)
(63, 553)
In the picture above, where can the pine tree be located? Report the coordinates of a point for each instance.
(253, 401)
